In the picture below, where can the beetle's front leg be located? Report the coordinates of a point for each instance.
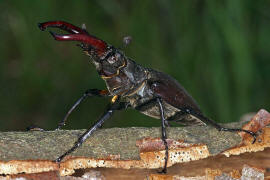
(164, 135)
(88, 93)
(115, 105)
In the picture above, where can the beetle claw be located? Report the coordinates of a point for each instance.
(62, 25)
(77, 34)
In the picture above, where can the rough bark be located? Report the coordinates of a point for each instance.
(131, 148)
(48, 145)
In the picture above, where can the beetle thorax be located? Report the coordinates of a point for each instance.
(121, 75)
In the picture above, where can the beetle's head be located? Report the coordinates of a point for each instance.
(106, 58)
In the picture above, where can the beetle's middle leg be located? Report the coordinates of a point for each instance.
(141, 106)
(164, 135)
(115, 105)
(88, 93)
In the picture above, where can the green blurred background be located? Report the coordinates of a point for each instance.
(218, 50)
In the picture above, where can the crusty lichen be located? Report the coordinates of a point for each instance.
(119, 141)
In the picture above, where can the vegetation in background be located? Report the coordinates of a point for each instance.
(218, 50)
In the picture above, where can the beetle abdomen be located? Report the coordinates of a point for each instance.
(167, 88)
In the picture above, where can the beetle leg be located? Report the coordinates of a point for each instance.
(160, 91)
(167, 123)
(150, 102)
(88, 93)
(216, 125)
(181, 117)
(108, 113)
(164, 135)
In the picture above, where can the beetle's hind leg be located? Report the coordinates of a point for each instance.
(216, 125)
(88, 93)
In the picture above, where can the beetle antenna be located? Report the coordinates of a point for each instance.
(127, 40)
(83, 26)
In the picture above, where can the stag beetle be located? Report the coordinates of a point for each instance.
(151, 92)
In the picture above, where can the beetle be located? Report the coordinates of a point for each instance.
(131, 85)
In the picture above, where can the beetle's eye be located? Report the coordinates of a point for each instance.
(114, 58)
(118, 56)
(111, 59)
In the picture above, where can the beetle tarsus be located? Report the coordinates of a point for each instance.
(254, 137)
(163, 171)
(59, 159)
(216, 125)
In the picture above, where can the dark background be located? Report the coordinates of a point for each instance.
(218, 50)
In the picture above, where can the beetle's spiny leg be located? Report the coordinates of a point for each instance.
(167, 123)
(217, 126)
(254, 135)
(86, 134)
(88, 93)
(164, 135)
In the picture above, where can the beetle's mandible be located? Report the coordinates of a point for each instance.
(131, 85)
